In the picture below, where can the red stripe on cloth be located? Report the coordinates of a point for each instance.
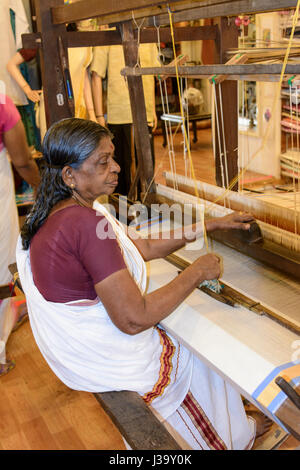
(202, 423)
(165, 368)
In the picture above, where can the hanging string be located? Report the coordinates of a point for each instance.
(168, 131)
(158, 168)
(241, 158)
(291, 115)
(138, 37)
(294, 166)
(167, 124)
(187, 166)
(297, 116)
(184, 122)
(297, 135)
(224, 141)
(158, 38)
(184, 129)
(219, 136)
(244, 96)
(276, 99)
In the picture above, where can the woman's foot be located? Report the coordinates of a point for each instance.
(263, 423)
(5, 368)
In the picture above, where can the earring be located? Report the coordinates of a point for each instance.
(72, 186)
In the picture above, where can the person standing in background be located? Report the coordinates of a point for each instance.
(15, 21)
(13, 145)
(23, 55)
(79, 60)
(108, 62)
(11, 42)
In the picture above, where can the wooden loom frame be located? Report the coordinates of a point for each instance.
(54, 40)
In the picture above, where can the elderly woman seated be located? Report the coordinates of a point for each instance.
(90, 314)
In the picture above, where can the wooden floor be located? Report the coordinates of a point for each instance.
(38, 412)
(203, 160)
(201, 152)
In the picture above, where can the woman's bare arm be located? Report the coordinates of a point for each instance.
(133, 313)
(16, 145)
(88, 99)
(13, 68)
(161, 247)
(97, 93)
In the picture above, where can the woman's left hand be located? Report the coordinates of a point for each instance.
(235, 220)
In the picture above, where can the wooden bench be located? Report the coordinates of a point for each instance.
(133, 418)
(135, 421)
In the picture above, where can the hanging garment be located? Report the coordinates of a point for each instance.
(9, 46)
(79, 60)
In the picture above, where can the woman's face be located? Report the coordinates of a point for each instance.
(99, 173)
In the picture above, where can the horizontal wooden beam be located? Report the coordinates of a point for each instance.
(205, 70)
(184, 10)
(252, 78)
(214, 9)
(93, 8)
(153, 11)
(76, 39)
(257, 251)
(108, 38)
(189, 33)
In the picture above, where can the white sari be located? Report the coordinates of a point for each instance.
(88, 352)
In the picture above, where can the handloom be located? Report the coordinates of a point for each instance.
(248, 349)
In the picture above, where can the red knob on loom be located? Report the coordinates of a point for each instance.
(238, 21)
(246, 20)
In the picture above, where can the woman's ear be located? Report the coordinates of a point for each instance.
(67, 176)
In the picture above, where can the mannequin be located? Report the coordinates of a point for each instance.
(79, 60)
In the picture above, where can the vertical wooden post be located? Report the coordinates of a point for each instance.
(138, 109)
(227, 37)
(33, 15)
(55, 96)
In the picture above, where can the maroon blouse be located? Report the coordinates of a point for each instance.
(68, 258)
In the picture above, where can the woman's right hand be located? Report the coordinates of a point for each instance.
(101, 121)
(33, 95)
(209, 266)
